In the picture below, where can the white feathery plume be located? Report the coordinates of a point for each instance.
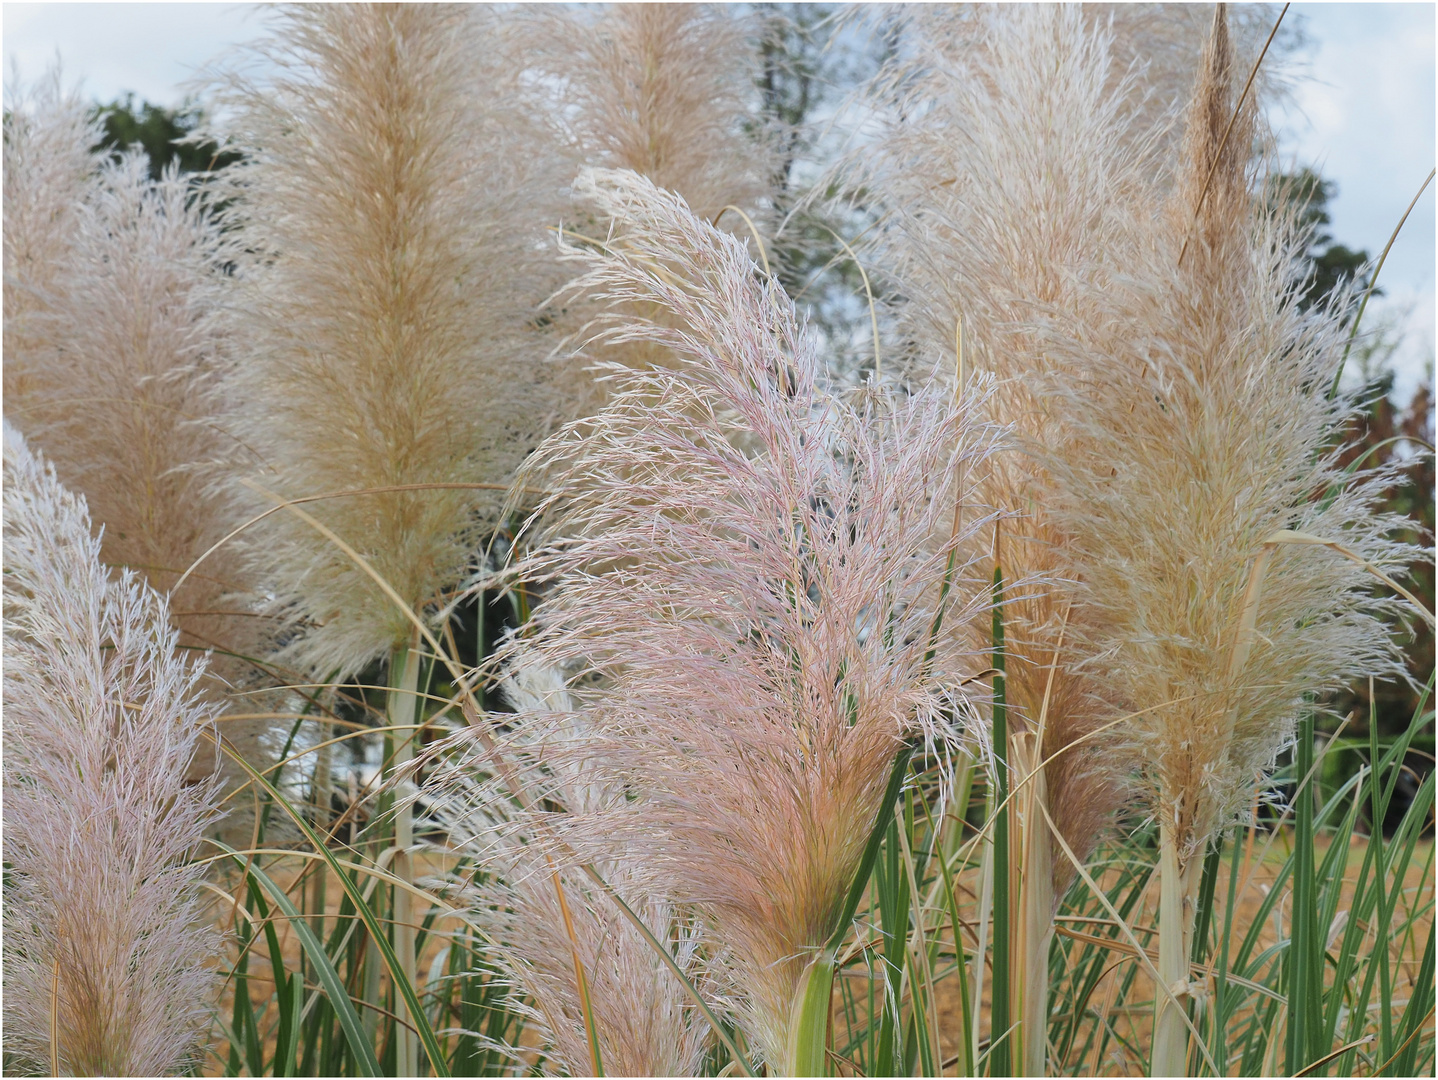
(395, 185)
(123, 395)
(1199, 482)
(644, 1022)
(1007, 169)
(112, 284)
(746, 574)
(49, 173)
(665, 90)
(107, 959)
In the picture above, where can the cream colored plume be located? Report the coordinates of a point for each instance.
(665, 90)
(394, 193)
(1198, 460)
(49, 173)
(1011, 154)
(645, 1023)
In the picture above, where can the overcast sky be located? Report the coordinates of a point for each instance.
(1364, 115)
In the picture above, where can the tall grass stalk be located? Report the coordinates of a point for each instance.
(1001, 1040)
(403, 710)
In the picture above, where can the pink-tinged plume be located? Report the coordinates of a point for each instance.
(645, 1023)
(744, 579)
(107, 960)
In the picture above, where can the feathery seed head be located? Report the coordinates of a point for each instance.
(103, 939)
(1196, 426)
(394, 190)
(645, 1024)
(115, 333)
(664, 90)
(1013, 150)
(125, 357)
(745, 576)
(49, 170)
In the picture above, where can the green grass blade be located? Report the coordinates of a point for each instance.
(1415, 1017)
(871, 849)
(377, 936)
(1305, 954)
(329, 978)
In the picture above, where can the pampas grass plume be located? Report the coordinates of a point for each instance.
(49, 172)
(1006, 169)
(125, 356)
(1198, 430)
(1192, 436)
(103, 941)
(644, 1022)
(744, 576)
(663, 90)
(394, 190)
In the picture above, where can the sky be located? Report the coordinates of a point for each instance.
(1364, 113)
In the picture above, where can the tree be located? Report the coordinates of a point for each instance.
(161, 133)
(1332, 264)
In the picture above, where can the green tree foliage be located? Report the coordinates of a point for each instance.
(1331, 263)
(161, 133)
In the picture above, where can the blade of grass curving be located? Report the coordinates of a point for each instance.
(871, 850)
(1317, 1068)
(245, 1025)
(320, 498)
(889, 893)
(339, 999)
(279, 977)
(1346, 958)
(869, 293)
(1402, 847)
(1373, 282)
(928, 1047)
(377, 935)
(287, 1040)
(966, 1045)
